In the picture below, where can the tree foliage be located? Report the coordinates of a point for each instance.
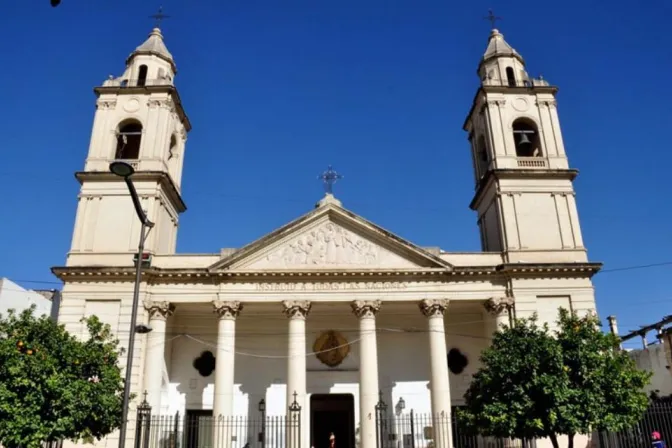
(54, 386)
(534, 383)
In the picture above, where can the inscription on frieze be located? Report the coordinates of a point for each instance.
(334, 286)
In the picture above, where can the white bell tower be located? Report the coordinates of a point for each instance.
(524, 194)
(139, 118)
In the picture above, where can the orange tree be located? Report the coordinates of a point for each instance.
(533, 383)
(54, 386)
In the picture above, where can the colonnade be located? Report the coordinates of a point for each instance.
(297, 312)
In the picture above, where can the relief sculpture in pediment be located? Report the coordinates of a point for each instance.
(327, 244)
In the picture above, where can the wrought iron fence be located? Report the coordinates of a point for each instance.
(54, 444)
(199, 429)
(420, 430)
(417, 430)
(657, 421)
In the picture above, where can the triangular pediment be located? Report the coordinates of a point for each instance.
(330, 238)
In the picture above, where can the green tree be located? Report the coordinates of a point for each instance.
(54, 386)
(533, 383)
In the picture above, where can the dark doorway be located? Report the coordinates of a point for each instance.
(332, 413)
(198, 429)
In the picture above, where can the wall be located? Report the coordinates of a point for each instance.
(653, 359)
(13, 296)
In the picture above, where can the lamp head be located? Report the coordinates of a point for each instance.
(121, 169)
(262, 405)
(142, 329)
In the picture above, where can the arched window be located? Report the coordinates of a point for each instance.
(481, 156)
(172, 148)
(142, 75)
(510, 77)
(129, 136)
(526, 138)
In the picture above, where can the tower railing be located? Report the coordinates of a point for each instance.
(529, 83)
(121, 82)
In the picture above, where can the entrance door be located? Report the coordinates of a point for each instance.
(198, 429)
(332, 413)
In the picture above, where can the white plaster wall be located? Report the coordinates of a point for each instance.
(545, 296)
(112, 303)
(106, 222)
(652, 359)
(13, 296)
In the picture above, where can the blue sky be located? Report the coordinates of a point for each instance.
(378, 89)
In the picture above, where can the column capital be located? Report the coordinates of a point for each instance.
(366, 308)
(227, 309)
(433, 307)
(296, 308)
(498, 305)
(159, 309)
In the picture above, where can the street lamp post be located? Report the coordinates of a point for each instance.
(124, 170)
(262, 409)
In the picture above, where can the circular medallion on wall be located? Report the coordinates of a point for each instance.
(521, 104)
(331, 348)
(132, 105)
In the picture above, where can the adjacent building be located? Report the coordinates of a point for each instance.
(13, 296)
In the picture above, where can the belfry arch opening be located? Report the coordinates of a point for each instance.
(526, 138)
(172, 147)
(481, 156)
(129, 137)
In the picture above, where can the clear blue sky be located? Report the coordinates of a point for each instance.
(378, 89)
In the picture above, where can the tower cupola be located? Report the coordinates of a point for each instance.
(501, 64)
(149, 64)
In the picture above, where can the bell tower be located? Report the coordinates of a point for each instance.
(139, 119)
(524, 195)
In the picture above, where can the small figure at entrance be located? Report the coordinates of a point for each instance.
(332, 440)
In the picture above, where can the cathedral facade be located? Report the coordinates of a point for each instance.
(331, 312)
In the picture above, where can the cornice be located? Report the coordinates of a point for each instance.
(164, 179)
(145, 90)
(519, 270)
(176, 275)
(510, 173)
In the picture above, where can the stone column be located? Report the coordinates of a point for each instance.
(500, 311)
(224, 359)
(439, 383)
(366, 311)
(155, 352)
(296, 311)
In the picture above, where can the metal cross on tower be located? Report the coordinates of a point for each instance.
(329, 178)
(492, 18)
(158, 17)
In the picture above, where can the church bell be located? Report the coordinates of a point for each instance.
(524, 139)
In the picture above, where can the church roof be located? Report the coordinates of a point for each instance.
(154, 45)
(497, 46)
